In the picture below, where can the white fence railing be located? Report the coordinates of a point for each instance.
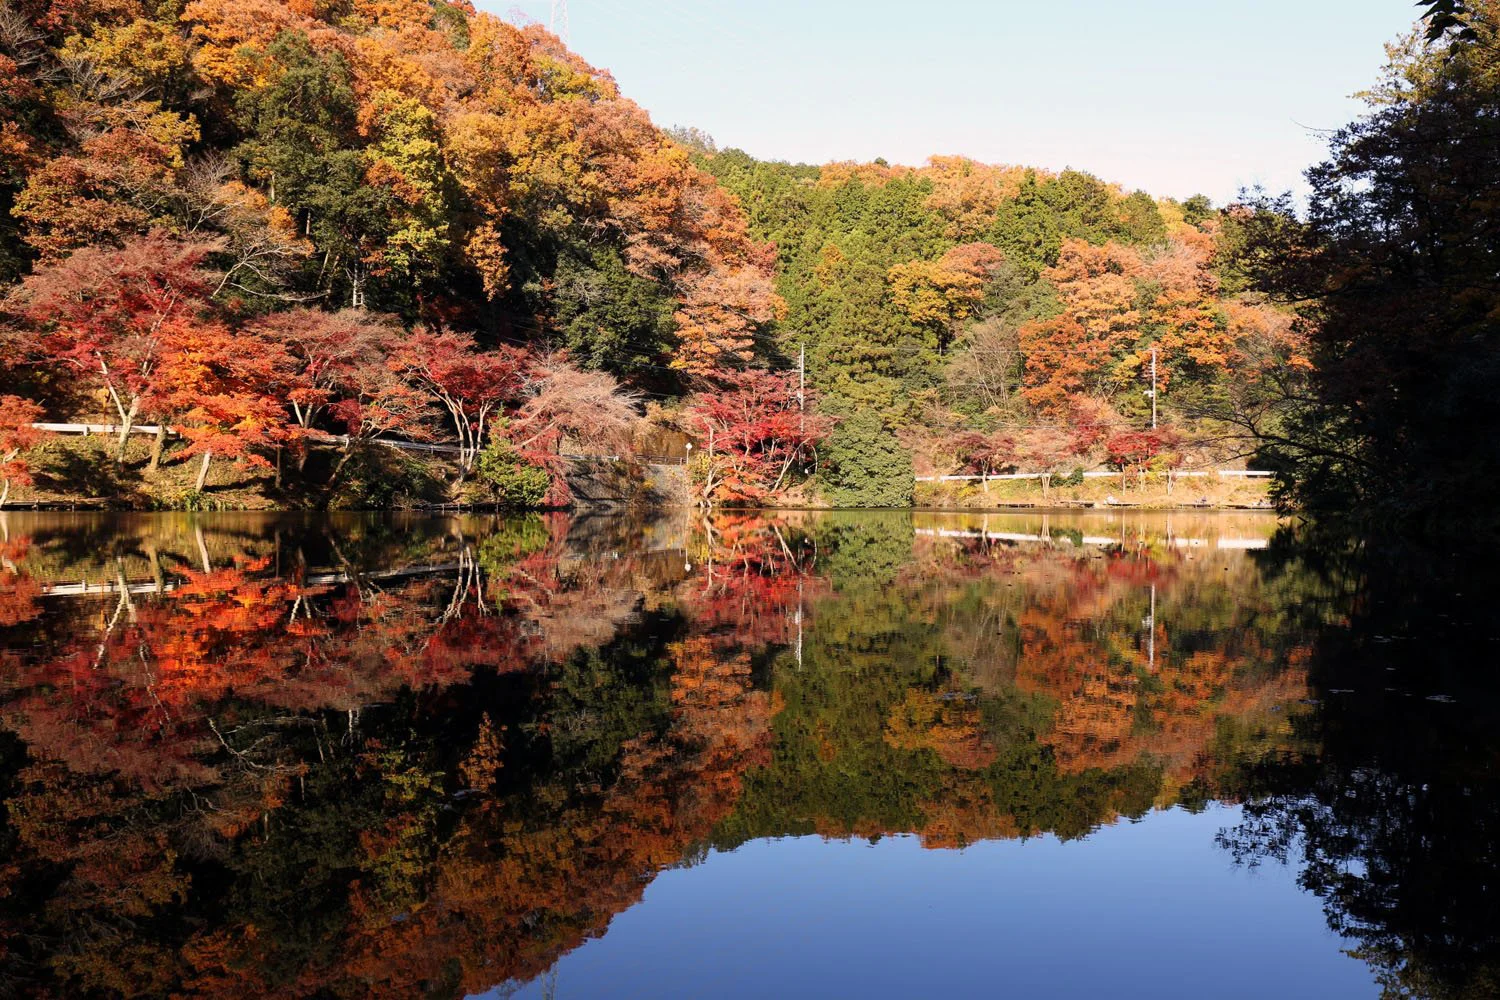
(317, 436)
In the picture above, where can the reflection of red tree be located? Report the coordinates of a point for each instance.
(19, 593)
(150, 708)
(757, 577)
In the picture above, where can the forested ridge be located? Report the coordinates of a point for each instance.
(282, 231)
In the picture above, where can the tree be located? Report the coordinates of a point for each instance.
(865, 466)
(754, 436)
(302, 147)
(609, 318)
(564, 404)
(720, 311)
(335, 366)
(263, 247)
(1050, 450)
(984, 454)
(16, 436)
(1392, 266)
(211, 385)
(986, 363)
(469, 385)
(102, 313)
(405, 158)
(937, 295)
(1140, 451)
(518, 482)
(1076, 352)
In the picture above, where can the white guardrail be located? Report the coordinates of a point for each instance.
(318, 436)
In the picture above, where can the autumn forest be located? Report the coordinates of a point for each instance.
(427, 563)
(384, 253)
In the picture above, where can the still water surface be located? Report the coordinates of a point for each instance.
(795, 755)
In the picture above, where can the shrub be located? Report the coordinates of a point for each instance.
(511, 480)
(865, 466)
(380, 478)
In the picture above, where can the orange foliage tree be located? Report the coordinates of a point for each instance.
(17, 435)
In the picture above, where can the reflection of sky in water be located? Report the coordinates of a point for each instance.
(1146, 909)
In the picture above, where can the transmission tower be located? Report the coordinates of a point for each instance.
(559, 21)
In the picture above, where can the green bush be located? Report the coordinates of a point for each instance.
(380, 478)
(865, 466)
(510, 479)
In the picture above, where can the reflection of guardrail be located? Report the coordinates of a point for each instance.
(1093, 474)
(84, 588)
(1011, 536)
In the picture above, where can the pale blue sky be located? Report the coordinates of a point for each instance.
(1171, 96)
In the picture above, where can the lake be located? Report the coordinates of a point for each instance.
(794, 754)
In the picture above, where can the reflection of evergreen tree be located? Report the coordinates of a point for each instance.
(864, 550)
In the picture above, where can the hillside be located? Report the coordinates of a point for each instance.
(281, 230)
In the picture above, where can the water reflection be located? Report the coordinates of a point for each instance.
(357, 756)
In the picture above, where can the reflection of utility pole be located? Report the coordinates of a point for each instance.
(1150, 624)
(799, 624)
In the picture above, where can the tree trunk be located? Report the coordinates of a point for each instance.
(203, 470)
(348, 452)
(157, 446)
(5, 490)
(135, 405)
(1046, 482)
(208, 566)
(153, 559)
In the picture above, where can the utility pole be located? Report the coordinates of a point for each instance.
(1153, 387)
(801, 389)
(558, 23)
(708, 489)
